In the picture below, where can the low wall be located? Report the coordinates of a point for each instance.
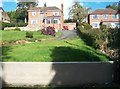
(57, 73)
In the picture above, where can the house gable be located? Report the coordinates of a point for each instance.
(107, 16)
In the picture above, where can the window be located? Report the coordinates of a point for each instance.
(96, 25)
(33, 21)
(105, 16)
(52, 21)
(95, 16)
(56, 13)
(48, 21)
(55, 21)
(33, 13)
(42, 16)
(117, 24)
(115, 16)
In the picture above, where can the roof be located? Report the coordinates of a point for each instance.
(5, 15)
(44, 9)
(1, 8)
(104, 11)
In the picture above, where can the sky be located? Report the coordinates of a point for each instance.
(10, 5)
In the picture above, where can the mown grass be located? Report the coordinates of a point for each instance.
(8, 36)
(52, 51)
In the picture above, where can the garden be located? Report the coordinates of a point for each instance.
(16, 47)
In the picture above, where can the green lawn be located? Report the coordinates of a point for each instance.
(8, 36)
(52, 50)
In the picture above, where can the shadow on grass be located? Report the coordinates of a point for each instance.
(62, 54)
(5, 51)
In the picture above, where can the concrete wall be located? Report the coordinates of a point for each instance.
(0, 74)
(57, 73)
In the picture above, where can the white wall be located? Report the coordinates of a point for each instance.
(57, 73)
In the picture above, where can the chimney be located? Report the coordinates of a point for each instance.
(62, 7)
(30, 6)
(62, 17)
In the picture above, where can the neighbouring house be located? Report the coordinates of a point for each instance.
(39, 17)
(108, 17)
(4, 16)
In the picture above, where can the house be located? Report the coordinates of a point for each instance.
(108, 17)
(40, 17)
(4, 16)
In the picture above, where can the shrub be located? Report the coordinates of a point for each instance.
(103, 27)
(87, 27)
(29, 34)
(19, 24)
(94, 37)
(17, 29)
(48, 31)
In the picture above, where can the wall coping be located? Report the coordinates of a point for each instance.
(111, 62)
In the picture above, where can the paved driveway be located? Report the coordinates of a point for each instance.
(67, 34)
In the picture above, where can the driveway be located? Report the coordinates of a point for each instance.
(67, 34)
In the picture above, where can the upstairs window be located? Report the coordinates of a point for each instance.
(95, 16)
(105, 16)
(115, 16)
(33, 13)
(56, 13)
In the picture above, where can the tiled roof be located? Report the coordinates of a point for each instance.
(1, 8)
(5, 15)
(104, 11)
(44, 9)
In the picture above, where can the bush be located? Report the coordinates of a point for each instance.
(20, 24)
(103, 27)
(49, 31)
(17, 29)
(94, 37)
(88, 27)
(7, 25)
(29, 34)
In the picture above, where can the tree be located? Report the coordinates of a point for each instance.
(78, 13)
(114, 40)
(45, 5)
(22, 7)
(12, 15)
(114, 6)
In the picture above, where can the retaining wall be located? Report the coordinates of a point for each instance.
(57, 73)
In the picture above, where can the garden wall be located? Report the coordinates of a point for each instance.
(57, 73)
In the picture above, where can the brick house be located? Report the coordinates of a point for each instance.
(39, 17)
(4, 16)
(109, 17)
